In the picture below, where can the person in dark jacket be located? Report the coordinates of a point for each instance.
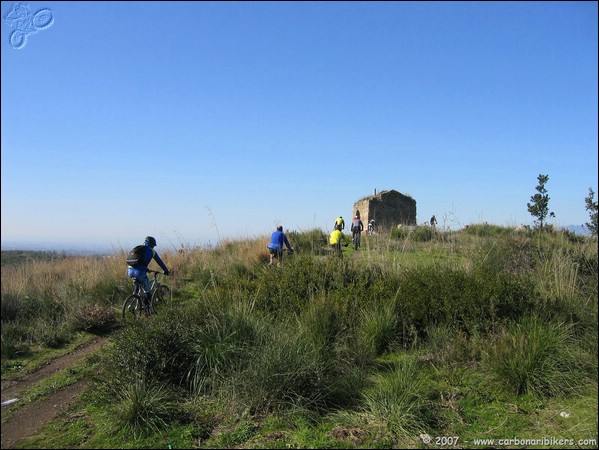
(433, 221)
(140, 271)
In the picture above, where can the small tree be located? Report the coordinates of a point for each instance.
(539, 207)
(591, 207)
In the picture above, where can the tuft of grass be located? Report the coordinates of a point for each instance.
(397, 401)
(143, 407)
(377, 328)
(536, 357)
(284, 371)
(221, 345)
(450, 346)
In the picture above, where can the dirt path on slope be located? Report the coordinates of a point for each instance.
(30, 418)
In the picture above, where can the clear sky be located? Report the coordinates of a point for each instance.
(196, 122)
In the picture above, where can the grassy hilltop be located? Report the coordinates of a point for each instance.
(419, 339)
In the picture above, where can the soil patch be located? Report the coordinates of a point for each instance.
(30, 418)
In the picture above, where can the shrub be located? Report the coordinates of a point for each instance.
(10, 307)
(14, 340)
(487, 230)
(284, 370)
(313, 242)
(154, 349)
(449, 345)
(416, 234)
(93, 318)
(53, 333)
(512, 253)
(220, 345)
(476, 303)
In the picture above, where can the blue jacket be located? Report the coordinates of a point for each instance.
(277, 240)
(143, 267)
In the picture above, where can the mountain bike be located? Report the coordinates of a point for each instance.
(134, 305)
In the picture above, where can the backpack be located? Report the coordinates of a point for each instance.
(136, 255)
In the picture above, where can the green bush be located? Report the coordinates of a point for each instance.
(415, 234)
(14, 340)
(312, 242)
(451, 346)
(11, 307)
(475, 302)
(154, 349)
(487, 230)
(285, 370)
(513, 254)
(52, 333)
(220, 345)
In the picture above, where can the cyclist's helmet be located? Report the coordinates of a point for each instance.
(150, 241)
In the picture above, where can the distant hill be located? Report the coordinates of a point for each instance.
(578, 229)
(15, 257)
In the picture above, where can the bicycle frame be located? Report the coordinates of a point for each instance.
(138, 288)
(157, 295)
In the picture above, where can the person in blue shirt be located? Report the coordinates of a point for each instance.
(140, 271)
(275, 247)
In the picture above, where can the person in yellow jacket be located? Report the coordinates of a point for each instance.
(336, 240)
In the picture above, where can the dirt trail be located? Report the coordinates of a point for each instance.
(30, 418)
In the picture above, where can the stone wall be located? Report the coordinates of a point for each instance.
(387, 208)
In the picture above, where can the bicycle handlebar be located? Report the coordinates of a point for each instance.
(158, 272)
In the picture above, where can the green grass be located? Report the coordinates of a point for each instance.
(485, 333)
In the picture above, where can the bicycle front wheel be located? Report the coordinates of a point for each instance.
(160, 297)
(132, 307)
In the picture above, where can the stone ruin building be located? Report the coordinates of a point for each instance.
(388, 209)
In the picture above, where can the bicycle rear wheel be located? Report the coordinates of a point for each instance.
(132, 307)
(160, 297)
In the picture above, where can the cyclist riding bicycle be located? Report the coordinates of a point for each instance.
(356, 228)
(371, 227)
(339, 222)
(336, 240)
(275, 247)
(140, 270)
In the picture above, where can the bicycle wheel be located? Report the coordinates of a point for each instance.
(132, 307)
(160, 297)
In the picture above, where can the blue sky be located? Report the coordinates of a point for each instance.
(196, 122)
